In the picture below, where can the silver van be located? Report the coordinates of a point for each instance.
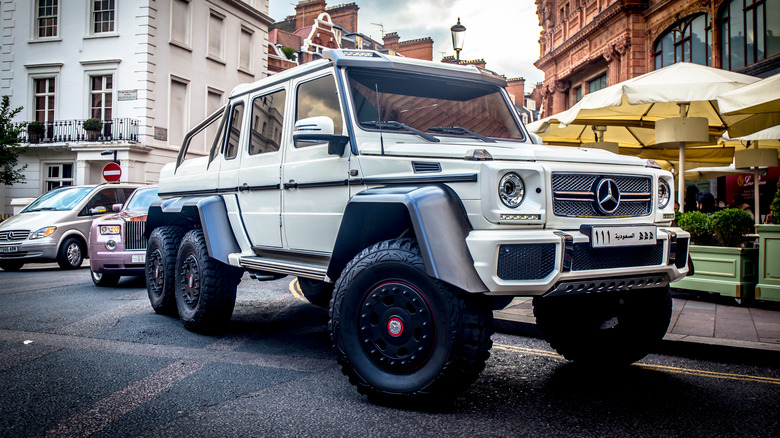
(55, 226)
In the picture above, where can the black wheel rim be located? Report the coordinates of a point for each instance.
(397, 327)
(156, 272)
(190, 281)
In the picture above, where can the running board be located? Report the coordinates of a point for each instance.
(307, 270)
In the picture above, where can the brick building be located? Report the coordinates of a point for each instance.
(316, 27)
(587, 45)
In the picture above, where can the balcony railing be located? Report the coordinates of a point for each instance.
(61, 131)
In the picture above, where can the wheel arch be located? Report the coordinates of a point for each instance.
(206, 212)
(433, 213)
(78, 235)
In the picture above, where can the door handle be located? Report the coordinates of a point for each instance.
(291, 185)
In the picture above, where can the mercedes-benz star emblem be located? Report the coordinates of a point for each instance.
(607, 196)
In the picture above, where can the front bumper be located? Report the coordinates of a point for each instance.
(37, 250)
(542, 262)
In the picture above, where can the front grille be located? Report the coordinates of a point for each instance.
(574, 195)
(134, 235)
(13, 235)
(526, 262)
(585, 258)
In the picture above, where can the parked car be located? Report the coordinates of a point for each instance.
(117, 245)
(55, 226)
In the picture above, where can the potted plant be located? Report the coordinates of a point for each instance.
(768, 287)
(93, 127)
(35, 131)
(723, 264)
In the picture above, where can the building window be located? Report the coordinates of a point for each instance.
(578, 94)
(597, 84)
(750, 32)
(58, 175)
(213, 102)
(101, 96)
(46, 18)
(245, 50)
(102, 16)
(180, 22)
(216, 35)
(43, 100)
(179, 109)
(687, 41)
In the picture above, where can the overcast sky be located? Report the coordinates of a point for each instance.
(505, 33)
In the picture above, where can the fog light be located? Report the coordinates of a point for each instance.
(111, 245)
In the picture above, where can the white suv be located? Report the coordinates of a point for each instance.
(410, 193)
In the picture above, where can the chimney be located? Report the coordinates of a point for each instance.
(390, 41)
(345, 16)
(516, 88)
(306, 11)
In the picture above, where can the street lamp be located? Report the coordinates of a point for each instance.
(110, 152)
(458, 32)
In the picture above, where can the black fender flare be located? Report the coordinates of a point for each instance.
(206, 212)
(438, 220)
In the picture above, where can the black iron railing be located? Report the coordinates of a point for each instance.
(60, 131)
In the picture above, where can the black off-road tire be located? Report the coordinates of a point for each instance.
(318, 293)
(205, 287)
(160, 269)
(71, 253)
(11, 265)
(402, 336)
(103, 280)
(605, 329)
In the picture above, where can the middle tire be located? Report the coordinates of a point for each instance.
(205, 288)
(400, 334)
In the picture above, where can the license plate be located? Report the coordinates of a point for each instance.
(626, 235)
(7, 249)
(140, 258)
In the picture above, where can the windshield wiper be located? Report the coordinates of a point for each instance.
(460, 130)
(392, 124)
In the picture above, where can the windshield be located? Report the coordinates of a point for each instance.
(59, 199)
(141, 200)
(441, 106)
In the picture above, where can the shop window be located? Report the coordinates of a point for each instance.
(687, 41)
(750, 32)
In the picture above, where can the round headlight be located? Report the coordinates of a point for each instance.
(664, 194)
(110, 245)
(511, 190)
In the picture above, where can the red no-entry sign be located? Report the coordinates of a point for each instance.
(112, 172)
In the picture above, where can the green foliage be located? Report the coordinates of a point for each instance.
(775, 212)
(35, 128)
(696, 223)
(730, 225)
(93, 124)
(289, 52)
(9, 145)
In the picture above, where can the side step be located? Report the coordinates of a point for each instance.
(288, 263)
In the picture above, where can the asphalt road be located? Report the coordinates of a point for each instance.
(78, 360)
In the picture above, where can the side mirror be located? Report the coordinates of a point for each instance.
(318, 130)
(116, 208)
(98, 210)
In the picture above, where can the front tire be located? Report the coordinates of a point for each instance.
(71, 254)
(205, 287)
(605, 329)
(402, 335)
(160, 269)
(103, 280)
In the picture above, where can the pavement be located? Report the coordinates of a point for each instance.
(705, 321)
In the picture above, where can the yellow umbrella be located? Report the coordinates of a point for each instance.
(759, 102)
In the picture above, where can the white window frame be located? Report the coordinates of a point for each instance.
(45, 177)
(90, 93)
(34, 95)
(91, 21)
(36, 22)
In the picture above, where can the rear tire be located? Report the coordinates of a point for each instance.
(205, 287)
(401, 335)
(605, 329)
(11, 266)
(103, 280)
(71, 254)
(318, 293)
(160, 269)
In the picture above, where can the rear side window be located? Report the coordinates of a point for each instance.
(267, 122)
(234, 132)
(319, 98)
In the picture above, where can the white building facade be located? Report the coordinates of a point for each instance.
(147, 69)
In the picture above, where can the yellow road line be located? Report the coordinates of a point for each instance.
(662, 368)
(295, 289)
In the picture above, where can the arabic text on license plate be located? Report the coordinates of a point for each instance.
(626, 235)
(140, 258)
(6, 249)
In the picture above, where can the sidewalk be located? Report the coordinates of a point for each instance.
(704, 323)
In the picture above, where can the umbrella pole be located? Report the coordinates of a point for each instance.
(756, 209)
(681, 178)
